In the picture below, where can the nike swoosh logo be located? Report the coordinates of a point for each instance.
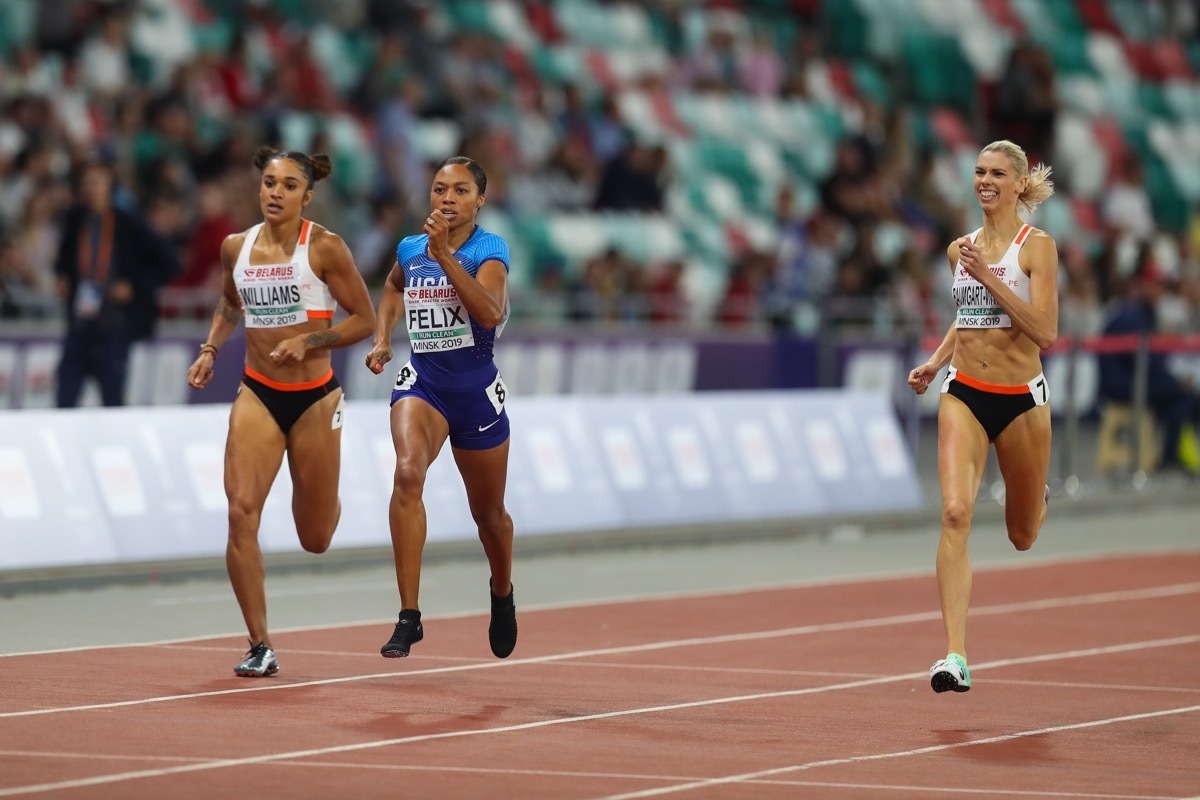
(483, 428)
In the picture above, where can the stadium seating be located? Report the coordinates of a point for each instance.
(1126, 81)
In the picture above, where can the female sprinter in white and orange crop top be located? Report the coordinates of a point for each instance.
(1005, 285)
(284, 277)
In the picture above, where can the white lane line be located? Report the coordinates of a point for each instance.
(950, 790)
(321, 751)
(937, 748)
(358, 765)
(874, 622)
(898, 575)
(1150, 593)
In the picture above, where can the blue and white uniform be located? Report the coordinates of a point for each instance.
(451, 366)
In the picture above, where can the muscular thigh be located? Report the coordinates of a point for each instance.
(962, 450)
(1023, 453)
(485, 475)
(418, 432)
(253, 451)
(314, 447)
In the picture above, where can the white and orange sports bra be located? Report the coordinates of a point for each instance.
(277, 295)
(977, 308)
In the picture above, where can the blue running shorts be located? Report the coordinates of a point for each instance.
(474, 410)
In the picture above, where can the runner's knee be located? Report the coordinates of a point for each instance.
(492, 522)
(408, 483)
(956, 516)
(244, 518)
(1022, 537)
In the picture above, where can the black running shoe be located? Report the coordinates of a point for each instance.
(259, 663)
(408, 632)
(502, 633)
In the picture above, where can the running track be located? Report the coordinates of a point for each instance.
(1085, 672)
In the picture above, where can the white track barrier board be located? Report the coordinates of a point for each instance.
(96, 485)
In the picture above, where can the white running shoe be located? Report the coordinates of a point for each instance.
(950, 674)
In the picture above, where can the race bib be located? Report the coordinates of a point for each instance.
(339, 413)
(405, 378)
(496, 393)
(437, 320)
(271, 296)
(983, 317)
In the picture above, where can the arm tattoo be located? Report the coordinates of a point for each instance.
(322, 338)
(228, 312)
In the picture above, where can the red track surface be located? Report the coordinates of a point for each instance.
(1085, 685)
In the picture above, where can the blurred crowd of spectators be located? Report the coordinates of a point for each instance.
(128, 81)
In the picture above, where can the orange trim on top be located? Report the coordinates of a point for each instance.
(290, 387)
(994, 388)
(304, 229)
(316, 313)
(1021, 234)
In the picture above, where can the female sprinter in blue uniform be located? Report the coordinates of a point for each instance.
(450, 284)
(284, 276)
(1006, 289)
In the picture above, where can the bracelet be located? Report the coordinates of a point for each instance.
(209, 346)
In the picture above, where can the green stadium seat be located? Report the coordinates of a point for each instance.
(1179, 150)
(703, 236)
(1152, 99)
(213, 36)
(469, 15)
(560, 64)
(937, 72)
(1171, 209)
(1070, 52)
(1035, 17)
(871, 84)
(845, 28)
(533, 231)
(719, 196)
(1123, 102)
(1182, 99)
(299, 12)
(1066, 20)
(1133, 19)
